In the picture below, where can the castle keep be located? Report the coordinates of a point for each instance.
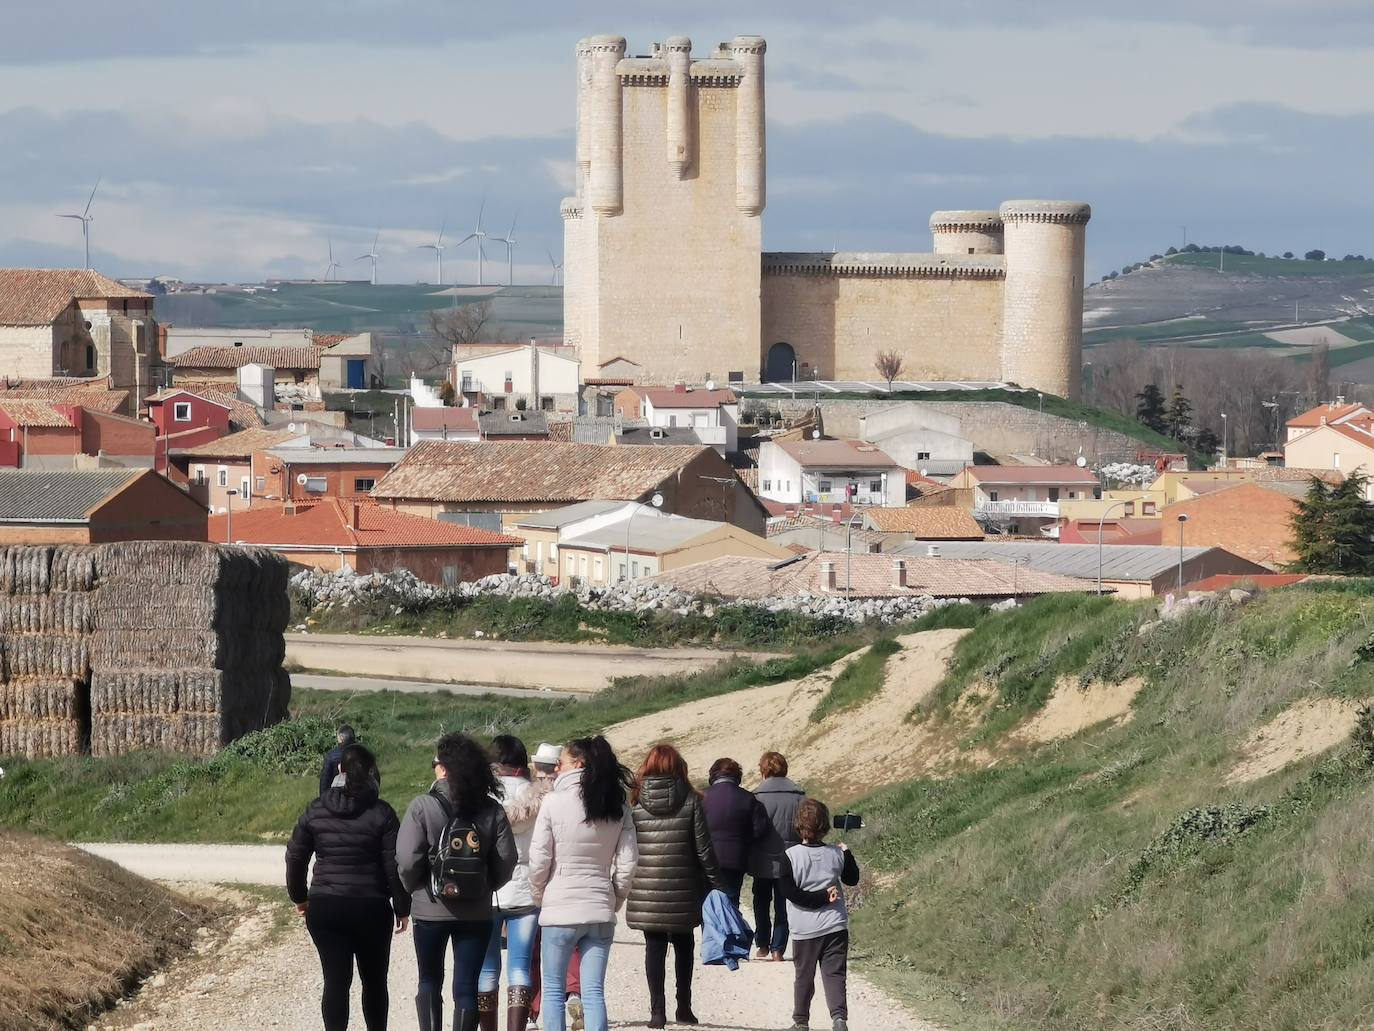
(664, 265)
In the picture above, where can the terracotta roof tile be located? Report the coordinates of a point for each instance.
(850, 454)
(531, 471)
(667, 397)
(332, 523)
(1329, 413)
(278, 357)
(242, 444)
(329, 339)
(926, 523)
(243, 414)
(36, 296)
(33, 413)
(87, 394)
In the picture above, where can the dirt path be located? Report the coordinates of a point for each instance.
(267, 975)
(559, 667)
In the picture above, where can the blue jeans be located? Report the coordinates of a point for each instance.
(594, 941)
(469, 939)
(770, 934)
(520, 931)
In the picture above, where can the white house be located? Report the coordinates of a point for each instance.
(547, 379)
(830, 471)
(713, 415)
(1024, 499)
(919, 438)
(441, 423)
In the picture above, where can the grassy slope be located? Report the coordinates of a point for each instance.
(1112, 880)
(1288, 267)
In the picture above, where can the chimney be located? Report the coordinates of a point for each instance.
(932, 551)
(898, 573)
(351, 514)
(827, 576)
(791, 511)
(837, 514)
(679, 388)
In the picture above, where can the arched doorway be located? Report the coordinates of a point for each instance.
(781, 364)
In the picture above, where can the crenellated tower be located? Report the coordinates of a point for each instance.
(663, 235)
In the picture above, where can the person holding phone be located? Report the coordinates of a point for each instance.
(813, 876)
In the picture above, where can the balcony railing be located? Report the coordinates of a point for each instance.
(1049, 509)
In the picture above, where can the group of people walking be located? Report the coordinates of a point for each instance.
(541, 856)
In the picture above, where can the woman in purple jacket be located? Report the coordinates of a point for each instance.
(737, 821)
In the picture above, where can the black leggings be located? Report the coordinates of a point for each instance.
(656, 963)
(344, 930)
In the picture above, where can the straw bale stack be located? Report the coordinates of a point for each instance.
(142, 644)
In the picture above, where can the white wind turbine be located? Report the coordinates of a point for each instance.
(333, 265)
(509, 241)
(480, 236)
(438, 248)
(85, 219)
(371, 253)
(557, 267)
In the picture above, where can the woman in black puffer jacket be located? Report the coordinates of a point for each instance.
(356, 895)
(677, 867)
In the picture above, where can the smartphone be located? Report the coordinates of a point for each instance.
(848, 822)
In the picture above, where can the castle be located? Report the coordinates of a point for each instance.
(663, 250)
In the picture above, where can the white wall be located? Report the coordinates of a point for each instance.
(183, 338)
(780, 475)
(716, 425)
(557, 374)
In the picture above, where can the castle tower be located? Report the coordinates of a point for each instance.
(967, 232)
(1042, 314)
(663, 235)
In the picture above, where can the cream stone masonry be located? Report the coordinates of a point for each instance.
(664, 267)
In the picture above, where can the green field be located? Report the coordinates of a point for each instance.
(1269, 266)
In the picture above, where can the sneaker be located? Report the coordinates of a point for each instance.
(840, 1024)
(574, 1011)
(799, 1027)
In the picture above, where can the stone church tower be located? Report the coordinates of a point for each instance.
(663, 237)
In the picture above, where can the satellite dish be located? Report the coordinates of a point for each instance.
(710, 384)
(1080, 461)
(301, 479)
(291, 427)
(815, 434)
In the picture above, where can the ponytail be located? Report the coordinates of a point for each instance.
(359, 768)
(604, 780)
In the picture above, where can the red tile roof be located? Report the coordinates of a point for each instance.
(667, 397)
(1328, 413)
(1263, 581)
(243, 414)
(86, 393)
(444, 419)
(277, 356)
(335, 523)
(1030, 474)
(926, 523)
(33, 414)
(329, 339)
(834, 454)
(36, 296)
(243, 444)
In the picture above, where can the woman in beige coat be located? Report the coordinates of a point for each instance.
(582, 860)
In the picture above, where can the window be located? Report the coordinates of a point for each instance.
(1335, 460)
(923, 456)
(450, 576)
(223, 476)
(598, 567)
(467, 381)
(539, 553)
(824, 486)
(767, 485)
(546, 404)
(363, 484)
(992, 495)
(672, 420)
(200, 476)
(498, 404)
(553, 553)
(583, 564)
(875, 486)
(634, 570)
(622, 569)
(316, 484)
(260, 485)
(244, 492)
(510, 382)
(1147, 508)
(1054, 494)
(525, 551)
(181, 411)
(1128, 509)
(90, 356)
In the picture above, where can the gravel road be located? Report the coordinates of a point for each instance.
(266, 977)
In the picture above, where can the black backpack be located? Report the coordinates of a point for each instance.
(457, 862)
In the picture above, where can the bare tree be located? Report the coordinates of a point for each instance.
(450, 327)
(1319, 372)
(889, 366)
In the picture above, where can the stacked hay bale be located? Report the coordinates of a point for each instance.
(145, 644)
(45, 621)
(187, 646)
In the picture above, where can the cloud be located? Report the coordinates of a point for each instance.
(804, 77)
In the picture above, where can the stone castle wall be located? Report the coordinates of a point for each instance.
(945, 329)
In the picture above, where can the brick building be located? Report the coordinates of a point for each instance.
(368, 538)
(69, 506)
(311, 474)
(36, 434)
(1252, 520)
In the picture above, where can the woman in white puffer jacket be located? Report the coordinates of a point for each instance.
(515, 911)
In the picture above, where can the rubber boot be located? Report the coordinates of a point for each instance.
(465, 1020)
(486, 1010)
(518, 1007)
(429, 1009)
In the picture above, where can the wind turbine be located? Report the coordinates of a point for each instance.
(438, 248)
(85, 219)
(480, 236)
(329, 269)
(509, 241)
(372, 253)
(557, 267)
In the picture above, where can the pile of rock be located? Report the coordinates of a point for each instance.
(402, 590)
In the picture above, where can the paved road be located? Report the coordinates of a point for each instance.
(356, 684)
(259, 984)
(582, 668)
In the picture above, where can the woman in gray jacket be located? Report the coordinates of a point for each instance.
(677, 867)
(464, 795)
(781, 799)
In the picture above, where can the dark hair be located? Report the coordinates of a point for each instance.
(509, 751)
(604, 779)
(345, 734)
(773, 764)
(813, 820)
(359, 767)
(726, 768)
(471, 784)
(663, 760)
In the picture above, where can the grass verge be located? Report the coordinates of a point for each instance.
(857, 682)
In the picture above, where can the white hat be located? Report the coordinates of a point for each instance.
(547, 754)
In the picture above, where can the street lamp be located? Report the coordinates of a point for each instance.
(657, 502)
(229, 496)
(1102, 519)
(1225, 436)
(1182, 518)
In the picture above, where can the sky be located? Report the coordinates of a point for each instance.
(239, 141)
